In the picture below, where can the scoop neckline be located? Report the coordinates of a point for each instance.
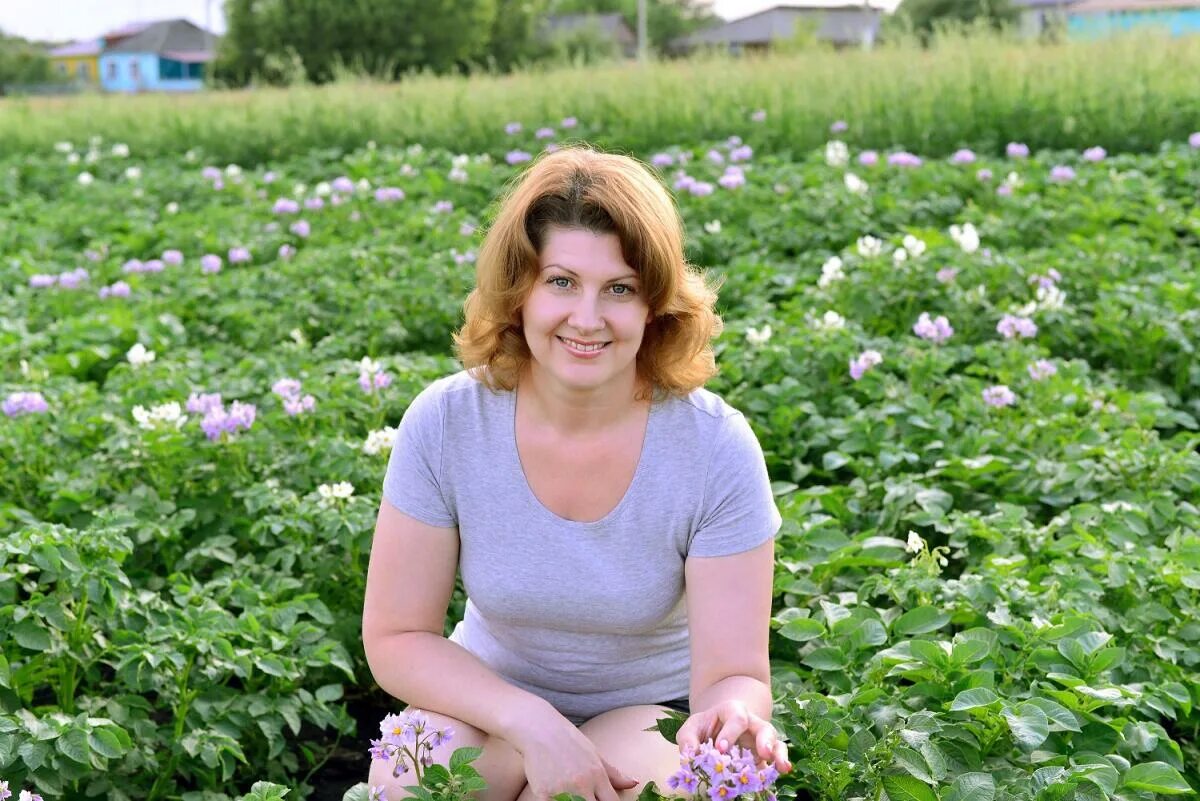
(551, 514)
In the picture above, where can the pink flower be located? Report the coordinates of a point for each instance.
(286, 251)
(1041, 369)
(1094, 154)
(300, 228)
(1016, 327)
(569, 122)
(543, 133)
(868, 158)
(984, 174)
(863, 362)
(1017, 150)
(1062, 174)
(285, 206)
(946, 274)
(343, 184)
(838, 126)
(937, 330)
(210, 263)
(387, 194)
(701, 188)
(512, 128)
(172, 257)
(238, 255)
(999, 396)
(314, 203)
(904, 159)
(759, 115)
(963, 156)
(1194, 140)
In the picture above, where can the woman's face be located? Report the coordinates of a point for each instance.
(584, 293)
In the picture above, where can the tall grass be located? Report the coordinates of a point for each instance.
(1127, 94)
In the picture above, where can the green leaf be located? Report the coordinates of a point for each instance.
(357, 793)
(463, 756)
(921, 620)
(74, 745)
(832, 460)
(1061, 718)
(1156, 777)
(906, 788)
(931, 653)
(30, 635)
(973, 699)
(1028, 725)
(802, 629)
(105, 743)
(972, 787)
(829, 658)
(271, 665)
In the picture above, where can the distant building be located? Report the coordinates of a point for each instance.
(1095, 18)
(609, 26)
(1038, 17)
(78, 61)
(842, 23)
(168, 55)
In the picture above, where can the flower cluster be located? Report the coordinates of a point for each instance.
(67, 280)
(904, 159)
(999, 396)
(408, 738)
(965, 236)
(379, 441)
(723, 776)
(1041, 369)
(863, 362)
(333, 493)
(293, 403)
(388, 194)
(371, 375)
(26, 795)
(1016, 327)
(758, 337)
(831, 272)
(119, 289)
(217, 420)
(138, 356)
(165, 415)
(19, 403)
(936, 330)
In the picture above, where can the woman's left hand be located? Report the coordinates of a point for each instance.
(730, 723)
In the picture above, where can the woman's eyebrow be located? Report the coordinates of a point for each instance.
(572, 272)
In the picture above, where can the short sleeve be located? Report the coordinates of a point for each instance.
(738, 510)
(413, 480)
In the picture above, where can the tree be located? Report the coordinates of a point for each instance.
(514, 40)
(666, 20)
(925, 15)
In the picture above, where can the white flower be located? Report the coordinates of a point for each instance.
(331, 493)
(713, 226)
(830, 321)
(1050, 298)
(915, 543)
(1117, 506)
(837, 154)
(1013, 180)
(758, 337)
(297, 336)
(458, 175)
(831, 271)
(233, 169)
(133, 173)
(191, 155)
(966, 236)
(914, 246)
(121, 150)
(323, 189)
(138, 355)
(379, 441)
(461, 160)
(165, 414)
(92, 157)
(299, 189)
(869, 246)
(172, 208)
(72, 158)
(899, 255)
(1027, 310)
(85, 178)
(63, 147)
(1000, 615)
(369, 365)
(855, 184)
(363, 185)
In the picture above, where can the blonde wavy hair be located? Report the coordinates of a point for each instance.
(580, 188)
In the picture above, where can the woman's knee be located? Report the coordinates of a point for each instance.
(500, 765)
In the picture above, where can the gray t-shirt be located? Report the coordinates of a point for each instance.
(589, 616)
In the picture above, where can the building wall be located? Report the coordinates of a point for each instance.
(1177, 21)
(139, 72)
(80, 68)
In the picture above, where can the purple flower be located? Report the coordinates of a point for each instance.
(743, 153)
(377, 792)
(1017, 150)
(300, 228)
(466, 229)
(238, 255)
(569, 122)
(297, 405)
(863, 362)
(93, 255)
(702, 188)
(41, 281)
(946, 274)
(839, 126)
(286, 387)
(733, 141)
(218, 421)
(443, 207)
(512, 128)
(984, 174)
(715, 156)
(269, 177)
(153, 266)
(868, 158)
(1004, 190)
(552, 147)
(72, 278)
(543, 133)
(132, 266)
(1094, 154)
(517, 157)
(683, 181)
(343, 184)
(963, 156)
(937, 330)
(118, 290)
(1041, 369)
(662, 160)
(286, 251)
(386, 194)
(314, 203)
(1016, 327)
(999, 396)
(1194, 140)
(200, 403)
(210, 263)
(904, 159)
(759, 115)
(285, 206)
(172, 257)
(19, 403)
(731, 180)
(1062, 174)
(211, 173)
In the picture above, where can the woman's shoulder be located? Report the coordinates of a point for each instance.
(703, 404)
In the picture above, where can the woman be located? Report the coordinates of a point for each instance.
(579, 476)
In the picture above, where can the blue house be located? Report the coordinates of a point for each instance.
(1095, 18)
(169, 55)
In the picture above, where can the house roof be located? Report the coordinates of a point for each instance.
(838, 23)
(886, 6)
(128, 29)
(1042, 3)
(1085, 6)
(174, 36)
(76, 49)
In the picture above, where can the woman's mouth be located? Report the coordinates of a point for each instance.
(583, 351)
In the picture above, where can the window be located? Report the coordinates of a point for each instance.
(82, 70)
(112, 70)
(134, 71)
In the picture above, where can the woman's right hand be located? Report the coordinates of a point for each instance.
(559, 758)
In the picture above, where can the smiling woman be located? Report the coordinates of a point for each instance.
(581, 478)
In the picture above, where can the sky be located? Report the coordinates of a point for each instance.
(63, 20)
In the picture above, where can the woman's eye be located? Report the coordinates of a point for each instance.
(628, 289)
(559, 278)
